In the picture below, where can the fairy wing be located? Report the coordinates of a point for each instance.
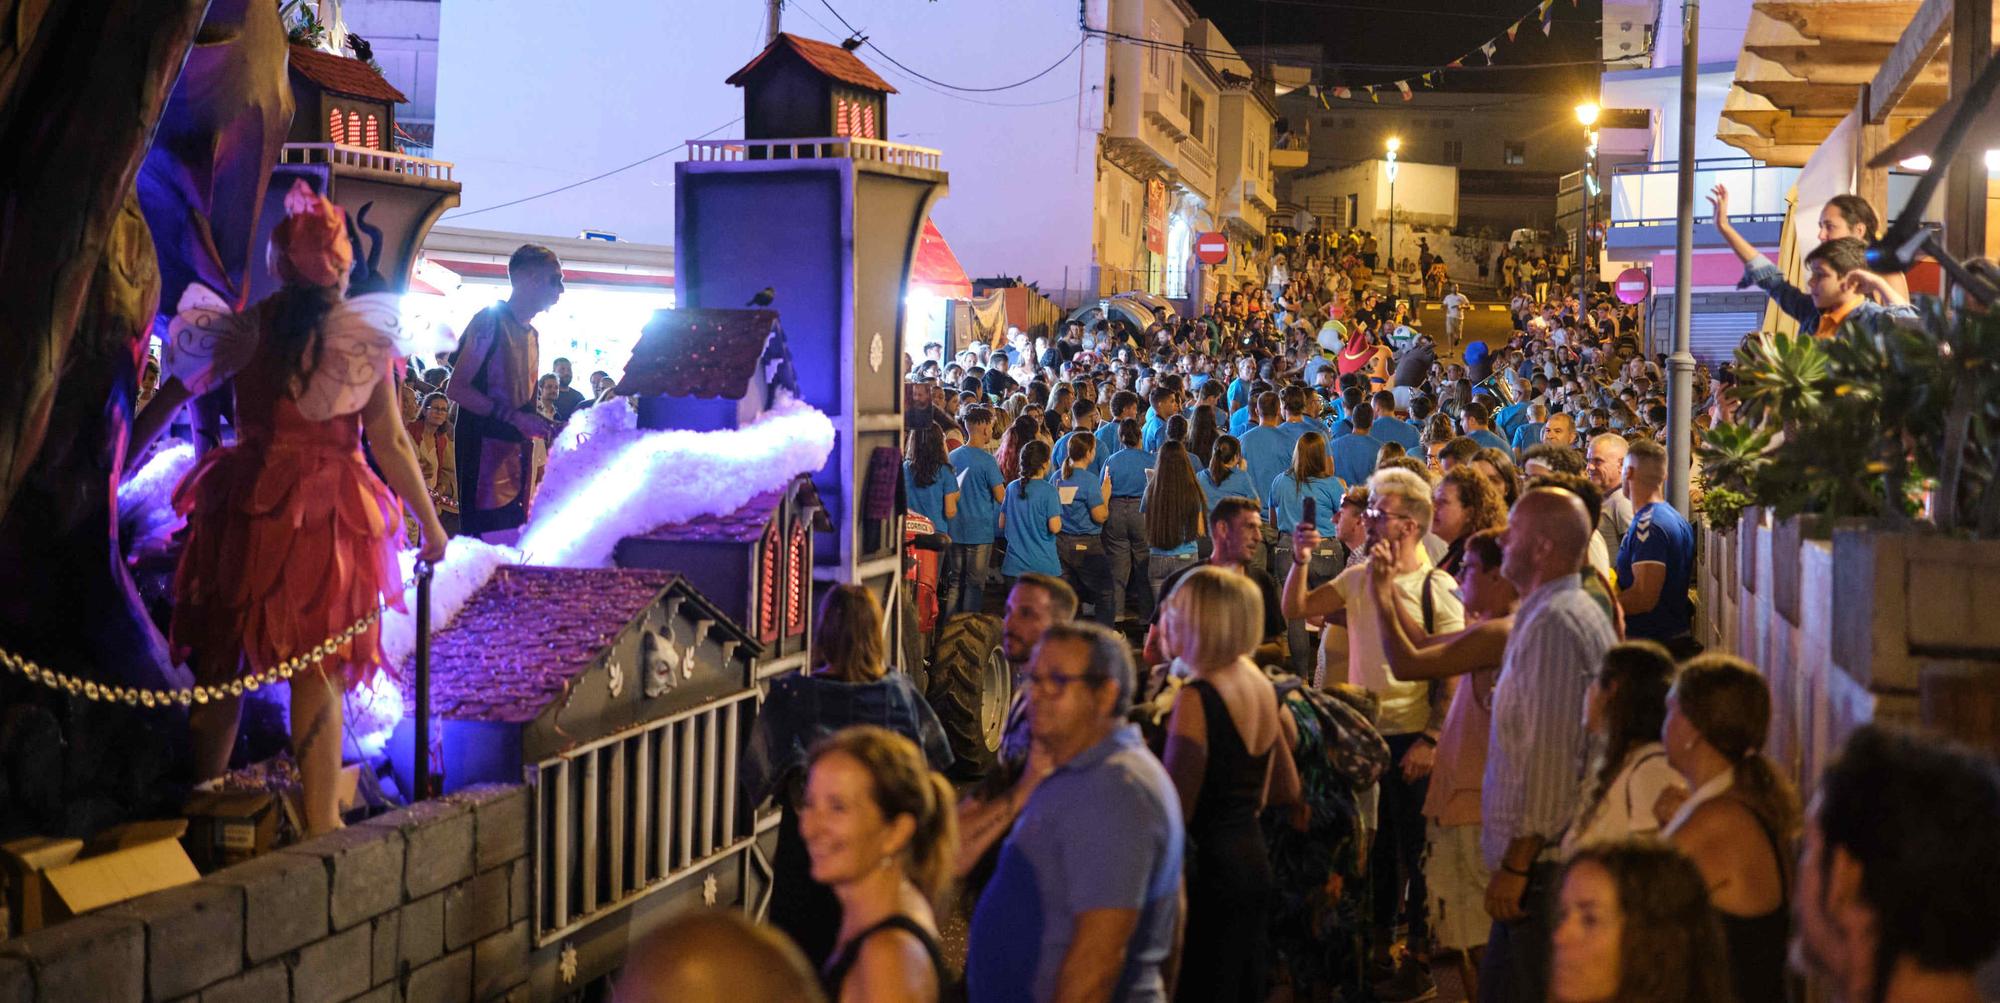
(206, 341)
(360, 341)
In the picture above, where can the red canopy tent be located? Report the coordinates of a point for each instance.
(936, 270)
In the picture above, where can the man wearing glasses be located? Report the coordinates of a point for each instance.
(1412, 715)
(1087, 893)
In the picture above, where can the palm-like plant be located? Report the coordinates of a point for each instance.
(1780, 378)
(1732, 455)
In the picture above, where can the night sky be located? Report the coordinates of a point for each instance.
(1379, 41)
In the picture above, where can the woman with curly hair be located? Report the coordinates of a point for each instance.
(1464, 502)
(1634, 925)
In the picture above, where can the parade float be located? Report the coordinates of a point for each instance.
(587, 688)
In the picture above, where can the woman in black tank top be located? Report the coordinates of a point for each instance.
(881, 830)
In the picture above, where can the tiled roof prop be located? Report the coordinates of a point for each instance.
(341, 75)
(486, 667)
(744, 525)
(709, 353)
(829, 59)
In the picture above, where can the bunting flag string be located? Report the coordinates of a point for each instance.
(1543, 13)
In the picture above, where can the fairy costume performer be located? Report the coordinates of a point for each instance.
(291, 538)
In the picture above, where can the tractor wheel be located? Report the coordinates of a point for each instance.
(971, 687)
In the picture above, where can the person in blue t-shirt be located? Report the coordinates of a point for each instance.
(1529, 432)
(1166, 404)
(930, 485)
(1479, 427)
(1125, 546)
(1083, 423)
(1084, 489)
(1389, 428)
(1124, 404)
(1310, 476)
(1297, 421)
(1240, 387)
(1266, 450)
(1354, 454)
(1175, 516)
(962, 581)
(1657, 556)
(1226, 475)
(1030, 517)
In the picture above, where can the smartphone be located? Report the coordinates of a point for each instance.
(1309, 512)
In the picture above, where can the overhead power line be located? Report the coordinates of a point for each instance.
(599, 177)
(854, 32)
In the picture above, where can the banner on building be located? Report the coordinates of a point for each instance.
(1156, 216)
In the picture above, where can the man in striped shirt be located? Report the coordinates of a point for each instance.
(1536, 746)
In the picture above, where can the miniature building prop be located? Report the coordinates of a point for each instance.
(803, 87)
(704, 370)
(341, 100)
(755, 564)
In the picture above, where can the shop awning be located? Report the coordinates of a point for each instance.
(936, 270)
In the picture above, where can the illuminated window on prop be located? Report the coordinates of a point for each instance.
(374, 134)
(336, 131)
(841, 110)
(867, 128)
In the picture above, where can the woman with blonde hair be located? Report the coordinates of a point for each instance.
(850, 683)
(882, 831)
(1213, 620)
(1738, 824)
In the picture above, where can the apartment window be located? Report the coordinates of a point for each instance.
(1125, 217)
(1454, 151)
(1197, 118)
(1347, 122)
(1515, 154)
(1153, 53)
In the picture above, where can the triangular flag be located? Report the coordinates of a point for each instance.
(1548, 24)
(1489, 48)
(1512, 29)
(1342, 93)
(1543, 10)
(1404, 86)
(1372, 97)
(1322, 100)
(1456, 63)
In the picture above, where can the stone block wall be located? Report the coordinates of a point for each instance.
(428, 904)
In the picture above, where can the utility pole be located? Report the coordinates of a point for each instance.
(774, 11)
(1394, 144)
(1680, 365)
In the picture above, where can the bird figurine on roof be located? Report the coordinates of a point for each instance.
(763, 297)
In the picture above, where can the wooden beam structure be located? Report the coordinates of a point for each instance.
(1914, 54)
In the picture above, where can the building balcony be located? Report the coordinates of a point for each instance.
(1645, 207)
(1288, 160)
(1197, 171)
(1258, 194)
(1164, 110)
(351, 159)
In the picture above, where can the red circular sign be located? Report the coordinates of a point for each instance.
(1211, 248)
(1633, 285)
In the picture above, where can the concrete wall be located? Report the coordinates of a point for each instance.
(429, 904)
(1480, 124)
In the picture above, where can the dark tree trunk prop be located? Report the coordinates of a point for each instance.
(82, 86)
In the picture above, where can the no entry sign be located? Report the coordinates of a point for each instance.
(1211, 248)
(1632, 285)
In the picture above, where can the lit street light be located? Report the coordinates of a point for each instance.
(1586, 113)
(1393, 144)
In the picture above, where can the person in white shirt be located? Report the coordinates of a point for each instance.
(1455, 303)
(1625, 710)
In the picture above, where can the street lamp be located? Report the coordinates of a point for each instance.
(1586, 113)
(1393, 144)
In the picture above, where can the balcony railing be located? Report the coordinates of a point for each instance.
(821, 148)
(1646, 194)
(365, 158)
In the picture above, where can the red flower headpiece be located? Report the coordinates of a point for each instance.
(310, 246)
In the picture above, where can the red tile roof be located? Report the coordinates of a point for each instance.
(342, 75)
(699, 353)
(831, 60)
(486, 667)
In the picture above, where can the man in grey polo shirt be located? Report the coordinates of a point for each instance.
(1087, 895)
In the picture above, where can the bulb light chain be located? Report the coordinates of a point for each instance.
(132, 696)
